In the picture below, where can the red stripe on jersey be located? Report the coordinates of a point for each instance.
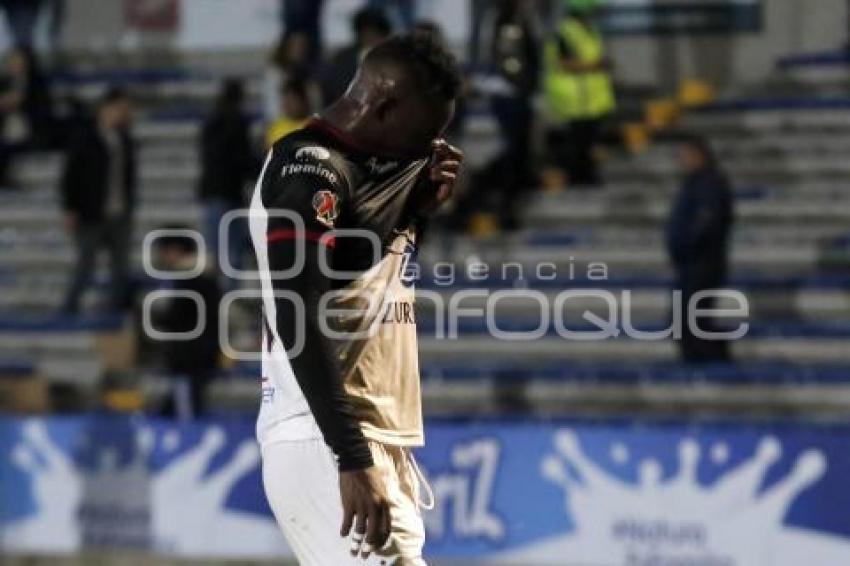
(287, 234)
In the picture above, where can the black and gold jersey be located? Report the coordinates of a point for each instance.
(333, 230)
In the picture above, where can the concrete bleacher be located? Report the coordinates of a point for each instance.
(791, 256)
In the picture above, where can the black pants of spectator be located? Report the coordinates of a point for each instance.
(515, 116)
(693, 348)
(113, 235)
(508, 175)
(578, 143)
(8, 151)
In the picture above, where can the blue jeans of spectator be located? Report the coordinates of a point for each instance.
(236, 237)
(479, 9)
(304, 16)
(57, 21)
(113, 235)
(22, 15)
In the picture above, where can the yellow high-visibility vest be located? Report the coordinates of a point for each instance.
(282, 127)
(577, 96)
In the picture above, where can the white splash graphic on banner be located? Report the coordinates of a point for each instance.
(679, 521)
(57, 490)
(188, 504)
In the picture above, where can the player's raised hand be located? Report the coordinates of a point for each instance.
(365, 507)
(442, 173)
(445, 167)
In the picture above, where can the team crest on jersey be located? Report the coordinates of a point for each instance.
(326, 205)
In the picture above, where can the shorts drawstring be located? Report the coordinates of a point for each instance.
(423, 482)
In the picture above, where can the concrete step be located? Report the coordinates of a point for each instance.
(812, 121)
(548, 350)
(564, 213)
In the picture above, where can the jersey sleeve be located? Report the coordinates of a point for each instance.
(305, 182)
(315, 193)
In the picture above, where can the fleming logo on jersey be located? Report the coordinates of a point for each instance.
(326, 205)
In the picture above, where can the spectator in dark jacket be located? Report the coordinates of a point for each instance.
(227, 165)
(191, 362)
(370, 26)
(98, 188)
(698, 241)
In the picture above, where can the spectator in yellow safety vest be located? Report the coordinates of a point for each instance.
(578, 89)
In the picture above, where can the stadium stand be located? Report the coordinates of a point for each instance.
(785, 155)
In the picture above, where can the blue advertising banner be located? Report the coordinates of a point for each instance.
(182, 490)
(507, 492)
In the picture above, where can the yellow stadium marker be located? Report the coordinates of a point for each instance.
(635, 136)
(694, 93)
(553, 179)
(661, 113)
(483, 225)
(124, 400)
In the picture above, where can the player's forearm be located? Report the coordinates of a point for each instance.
(319, 378)
(317, 368)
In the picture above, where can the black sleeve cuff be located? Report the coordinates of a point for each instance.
(358, 457)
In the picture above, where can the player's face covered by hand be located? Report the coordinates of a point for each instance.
(414, 124)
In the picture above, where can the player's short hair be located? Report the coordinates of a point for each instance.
(424, 57)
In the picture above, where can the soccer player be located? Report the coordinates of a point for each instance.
(338, 418)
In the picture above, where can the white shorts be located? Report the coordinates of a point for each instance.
(301, 481)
